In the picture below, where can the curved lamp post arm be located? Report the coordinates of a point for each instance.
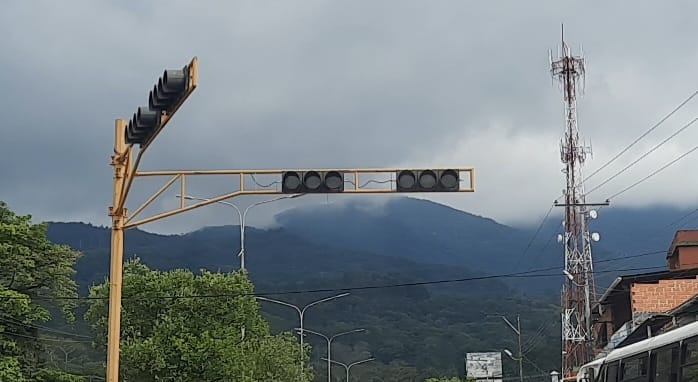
(240, 217)
(243, 218)
(360, 362)
(278, 302)
(269, 201)
(335, 362)
(301, 312)
(511, 355)
(347, 332)
(329, 346)
(328, 339)
(324, 300)
(189, 197)
(349, 366)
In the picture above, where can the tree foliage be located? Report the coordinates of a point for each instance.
(32, 271)
(218, 336)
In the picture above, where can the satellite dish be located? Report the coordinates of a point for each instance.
(593, 214)
(559, 238)
(595, 236)
(563, 223)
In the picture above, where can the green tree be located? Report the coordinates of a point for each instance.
(219, 335)
(33, 272)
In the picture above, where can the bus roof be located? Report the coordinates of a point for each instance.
(663, 339)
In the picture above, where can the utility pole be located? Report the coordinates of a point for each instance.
(577, 292)
(517, 330)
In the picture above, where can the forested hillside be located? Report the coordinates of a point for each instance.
(413, 331)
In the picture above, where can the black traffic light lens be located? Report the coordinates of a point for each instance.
(406, 179)
(312, 180)
(291, 181)
(449, 180)
(174, 81)
(427, 179)
(334, 181)
(147, 118)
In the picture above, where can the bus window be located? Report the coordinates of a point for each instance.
(612, 372)
(602, 374)
(634, 369)
(689, 361)
(665, 364)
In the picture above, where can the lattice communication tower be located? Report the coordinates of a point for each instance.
(578, 288)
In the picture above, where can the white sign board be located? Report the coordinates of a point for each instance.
(484, 366)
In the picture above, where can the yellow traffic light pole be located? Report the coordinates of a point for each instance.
(126, 171)
(120, 160)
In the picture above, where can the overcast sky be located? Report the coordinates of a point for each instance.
(303, 84)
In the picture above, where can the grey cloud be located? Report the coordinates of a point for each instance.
(338, 84)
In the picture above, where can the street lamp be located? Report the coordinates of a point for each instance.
(242, 216)
(301, 313)
(517, 330)
(520, 359)
(329, 345)
(510, 354)
(349, 366)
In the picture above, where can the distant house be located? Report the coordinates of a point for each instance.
(637, 306)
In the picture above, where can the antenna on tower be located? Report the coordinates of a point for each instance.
(578, 288)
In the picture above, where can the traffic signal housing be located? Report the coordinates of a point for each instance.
(142, 125)
(168, 94)
(447, 180)
(312, 181)
(169, 90)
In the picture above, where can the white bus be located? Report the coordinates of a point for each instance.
(668, 357)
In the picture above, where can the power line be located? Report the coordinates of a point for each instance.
(525, 274)
(687, 222)
(535, 340)
(535, 234)
(681, 218)
(542, 250)
(661, 121)
(532, 364)
(13, 321)
(654, 173)
(631, 256)
(46, 339)
(643, 156)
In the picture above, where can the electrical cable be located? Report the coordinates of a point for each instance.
(643, 156)
(656, 125)
(681, 218)
(526, 274)
(12, 321)
(653, 173)
(533, 238)
(47, 339)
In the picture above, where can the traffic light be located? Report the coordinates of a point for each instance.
(170, 88)
(297, 182)
(144, 122)
(428, 180)
(167, 95)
